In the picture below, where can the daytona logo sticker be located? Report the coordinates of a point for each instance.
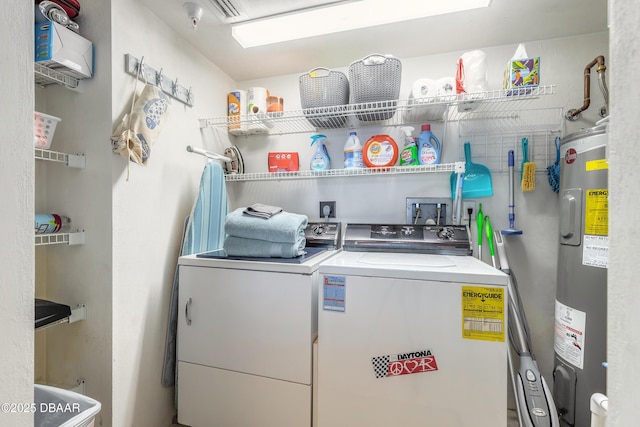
(404, 364)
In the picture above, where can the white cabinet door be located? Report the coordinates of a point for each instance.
(210, 397)
(247, 321)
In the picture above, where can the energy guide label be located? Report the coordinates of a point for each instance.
(483, 313)
(333, 293)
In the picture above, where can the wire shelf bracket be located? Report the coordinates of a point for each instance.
(71, 160)
(152, 76)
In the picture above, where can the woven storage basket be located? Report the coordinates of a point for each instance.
(324, 95)
(375, 81)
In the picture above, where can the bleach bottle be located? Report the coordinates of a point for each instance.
(428, 147)
(320, 160)
(353, 152)
(409, 154)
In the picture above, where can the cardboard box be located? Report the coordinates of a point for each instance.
(283, 162)
(61, 49)
(521, 75)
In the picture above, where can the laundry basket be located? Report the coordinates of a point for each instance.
(56, 407)
(375, 82)
(44, 127)
(324, 95)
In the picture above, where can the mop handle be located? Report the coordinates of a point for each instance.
(512, 215)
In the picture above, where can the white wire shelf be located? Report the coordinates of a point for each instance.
(45, 76)
(76, 238)
(481, 105)
(457, 167)
(71, 160)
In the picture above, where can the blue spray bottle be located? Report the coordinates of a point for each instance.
(320, 159)
(428, 147)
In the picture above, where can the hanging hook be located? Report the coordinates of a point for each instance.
(140, 68)
(160, 79)
(174, 87)
(189, 95)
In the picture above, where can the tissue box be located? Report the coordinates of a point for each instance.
(283, 162)
(61, 49)
(521, 75)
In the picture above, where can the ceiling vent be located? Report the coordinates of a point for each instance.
(228, 11)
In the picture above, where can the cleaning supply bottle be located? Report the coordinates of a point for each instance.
(320, 160)
(428, 147)
(353, 152)
(409, 154)
(52, 223)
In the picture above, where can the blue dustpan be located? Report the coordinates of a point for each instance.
(477, 178)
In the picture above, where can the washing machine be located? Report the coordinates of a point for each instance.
(411, 331)
(245, 335)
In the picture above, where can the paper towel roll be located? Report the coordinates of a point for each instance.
(257, 100)
(421, 101)
(446, 86)
(423, 88)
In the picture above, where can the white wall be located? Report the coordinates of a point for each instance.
(533, 256)
(623, 291)
(149, 209)
(80, 274)
(16, 208)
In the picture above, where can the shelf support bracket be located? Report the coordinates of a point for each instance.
(78, 313)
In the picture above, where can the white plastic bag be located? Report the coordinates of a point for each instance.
(471, 75)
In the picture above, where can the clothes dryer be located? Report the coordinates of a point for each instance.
(245, 336)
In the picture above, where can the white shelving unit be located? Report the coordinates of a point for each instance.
(486, 105)
(457, 167)
(45, 76)
(72, 161)
(75, 238)
(482, 115)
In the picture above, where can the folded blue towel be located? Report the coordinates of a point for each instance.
(286, 227)
(239, 246)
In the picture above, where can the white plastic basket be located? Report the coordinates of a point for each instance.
(63, 408)
(324, 95)
(44, 127)
(374, 81)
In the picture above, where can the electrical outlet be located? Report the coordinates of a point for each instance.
(327, 206)
(424, 210)
(466, 204)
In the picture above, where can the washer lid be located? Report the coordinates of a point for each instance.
(439, 268)
(406, 260)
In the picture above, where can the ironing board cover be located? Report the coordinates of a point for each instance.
(203, 231)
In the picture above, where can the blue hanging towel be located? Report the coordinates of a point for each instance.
(203, 231)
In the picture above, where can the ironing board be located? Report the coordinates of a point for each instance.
(203, 231)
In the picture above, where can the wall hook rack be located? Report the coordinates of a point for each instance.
(152, 76)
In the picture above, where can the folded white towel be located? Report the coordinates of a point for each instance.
(262, 211)
(286, 227)
(239, 246)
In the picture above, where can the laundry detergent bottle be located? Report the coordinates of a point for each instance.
(320, 160)
(409, 154)
(428, 147)
(353, 152)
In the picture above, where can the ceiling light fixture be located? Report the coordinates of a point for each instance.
(343, 17)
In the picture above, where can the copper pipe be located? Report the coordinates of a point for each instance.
(574, 114)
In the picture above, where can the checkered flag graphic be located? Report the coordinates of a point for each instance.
(380, 366)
